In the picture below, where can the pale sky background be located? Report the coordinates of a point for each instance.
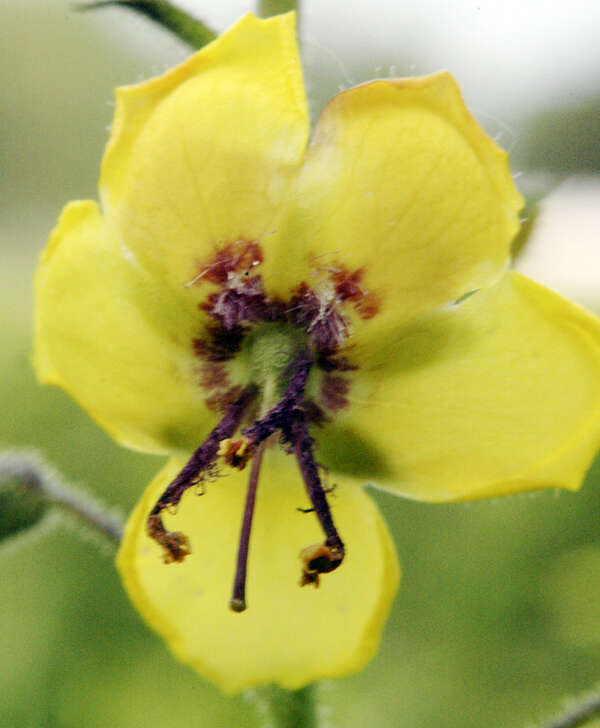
(510, 57)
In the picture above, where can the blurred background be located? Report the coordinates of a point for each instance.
(498, 617)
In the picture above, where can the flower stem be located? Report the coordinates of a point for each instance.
(35, 478)
(579, 713)
(276, 7)
(184, 26)
(281, 708)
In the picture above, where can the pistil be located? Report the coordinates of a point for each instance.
(237, 603)
(174, 543)
(237, 452)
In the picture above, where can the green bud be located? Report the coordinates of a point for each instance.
(29, 488)
(22, 506)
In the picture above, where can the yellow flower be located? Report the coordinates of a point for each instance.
(244, 291)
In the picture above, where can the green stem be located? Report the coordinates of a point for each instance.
(184, 26)
(578, 714)
(276, 7)
(286, 708)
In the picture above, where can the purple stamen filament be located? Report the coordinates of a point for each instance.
(287, 416)
(302, 443)
(318, 559)
(175, 544)
(285, 410)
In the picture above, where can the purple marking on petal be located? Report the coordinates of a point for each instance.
(326, 327)
(240, 303)
(348, 287)
(238, 257)
(334, 391)
(218, 344)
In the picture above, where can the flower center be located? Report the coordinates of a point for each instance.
(271, 367)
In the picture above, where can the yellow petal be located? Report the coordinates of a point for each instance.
(400, 179)
(204, 155)
(108, 334)
(288, 635)
(498, 394)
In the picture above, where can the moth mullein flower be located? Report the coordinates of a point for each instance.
(290, 320)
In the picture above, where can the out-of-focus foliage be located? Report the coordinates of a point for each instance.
(497, 617)
(564, 139)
